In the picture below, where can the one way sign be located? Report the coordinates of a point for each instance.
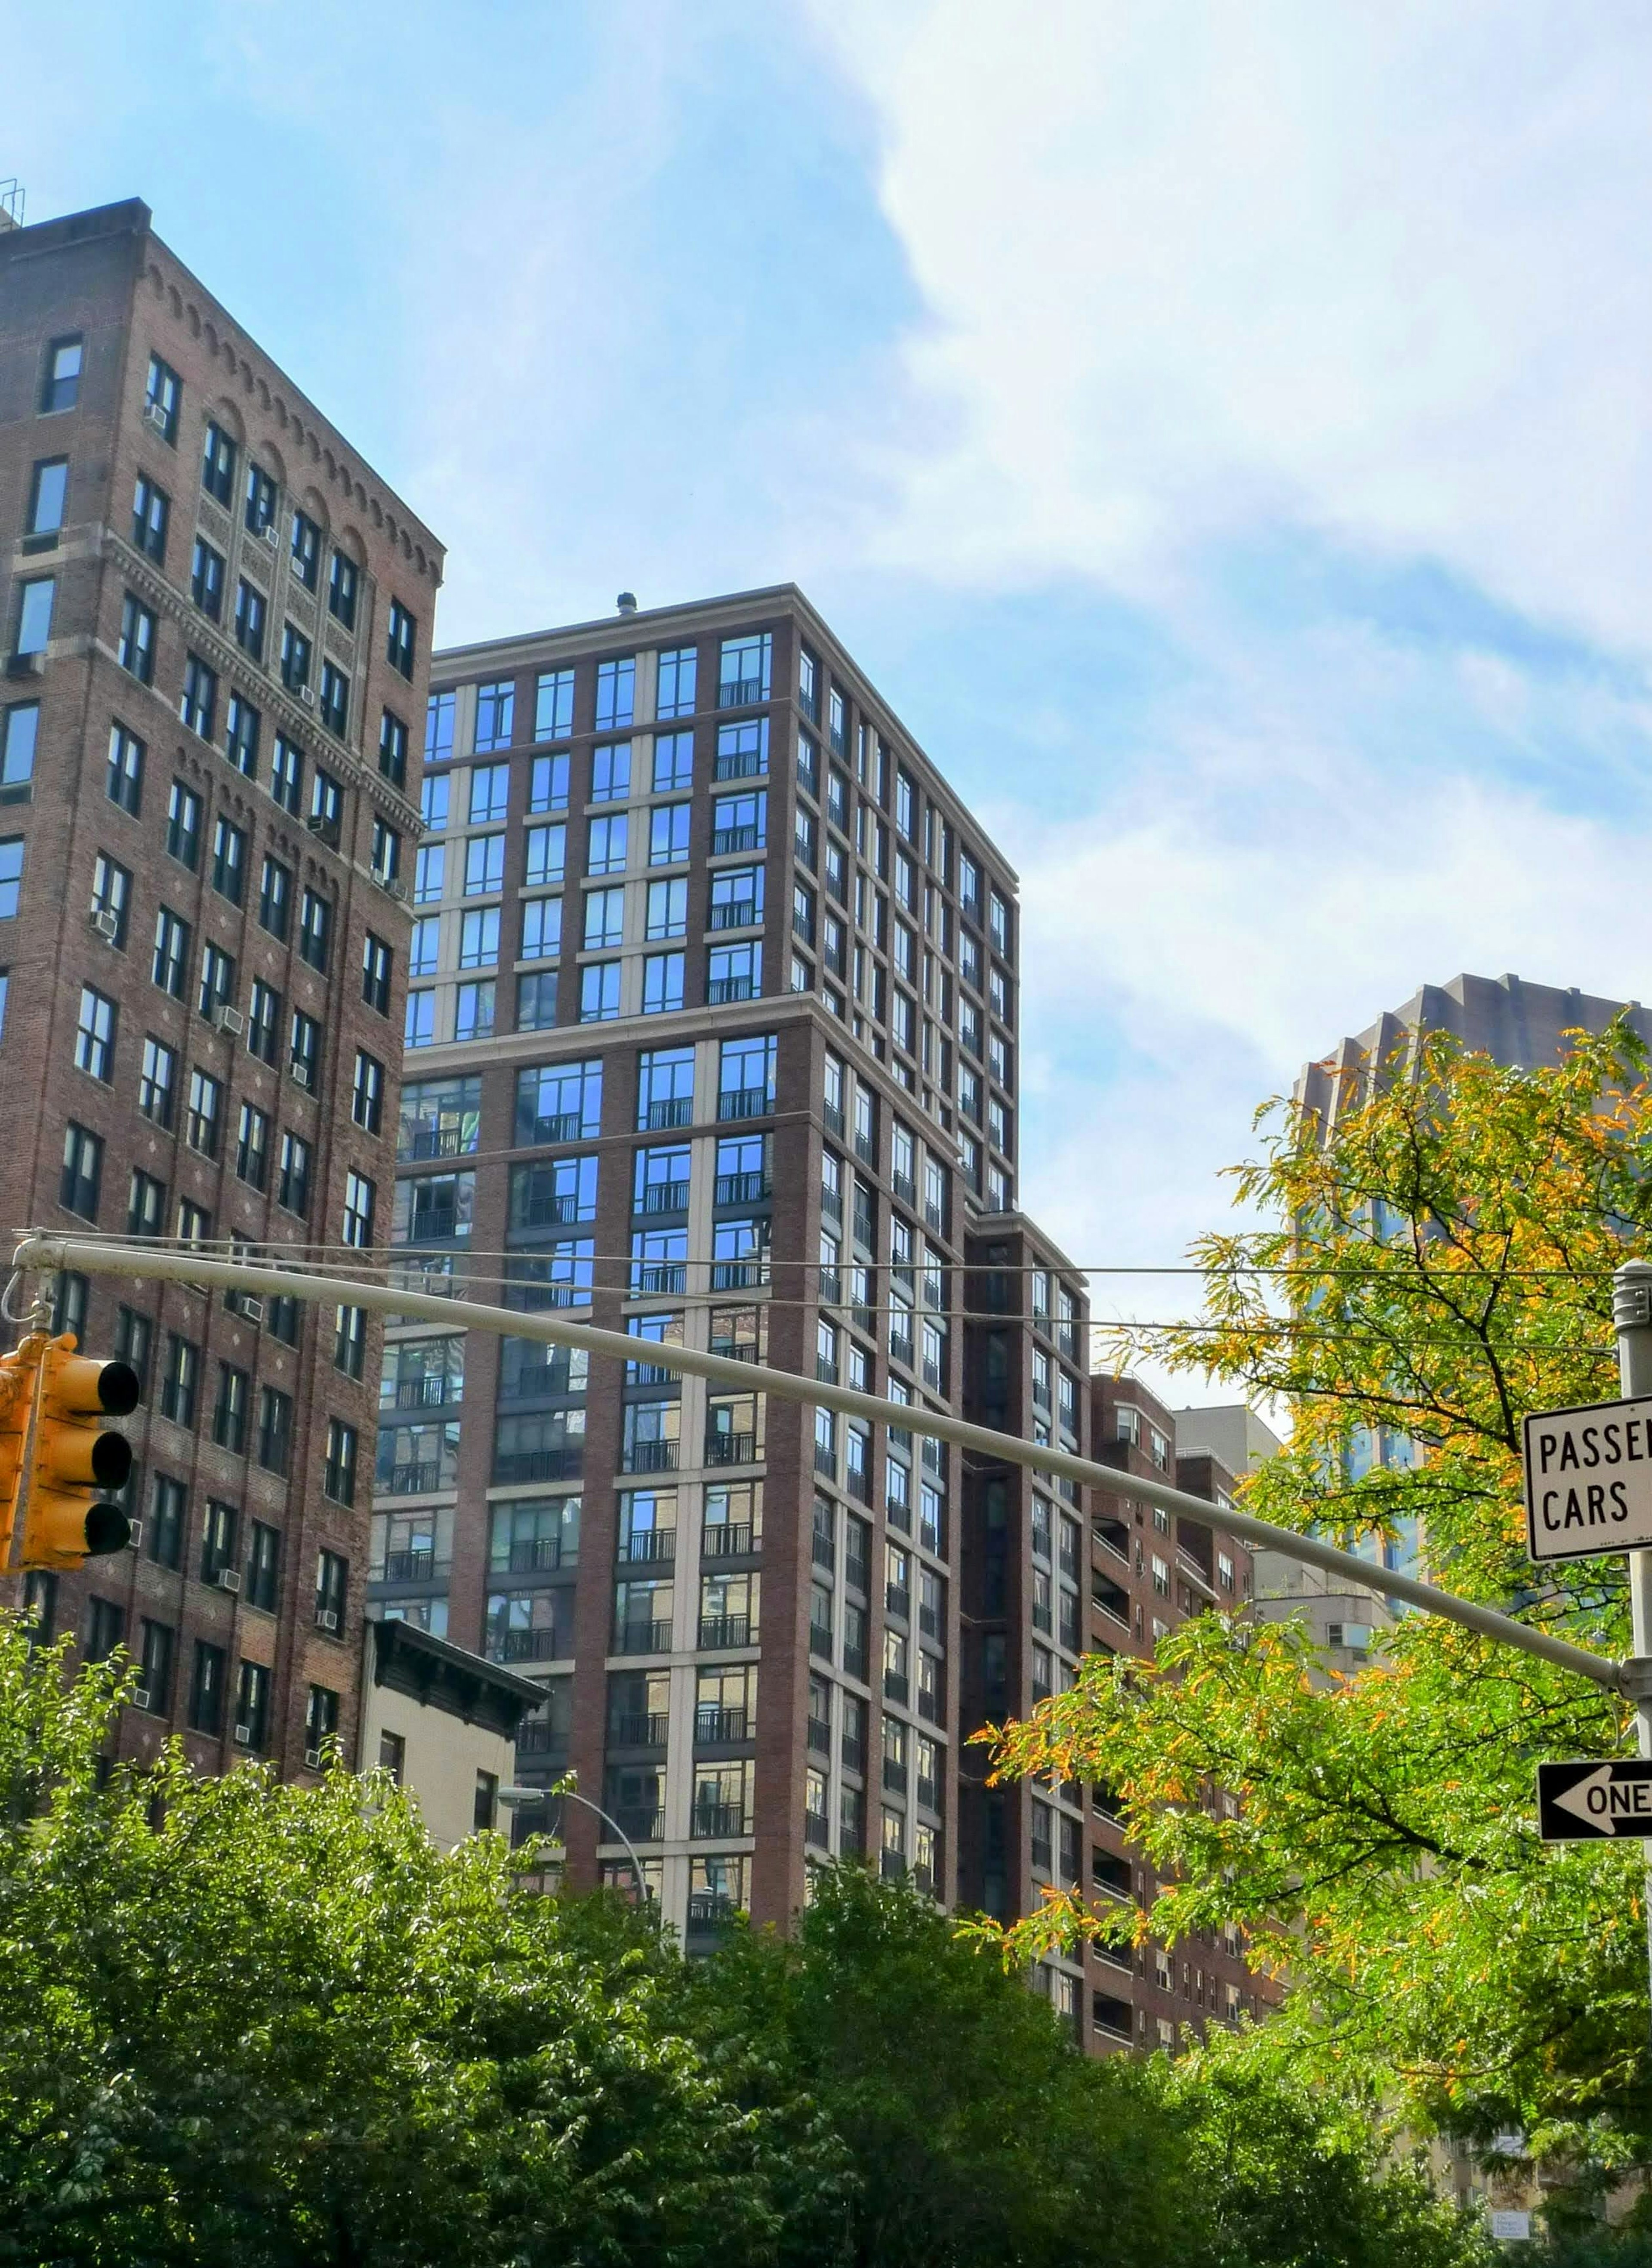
(1581, 1802)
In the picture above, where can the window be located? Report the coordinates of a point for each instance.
(607, 850)
(541, 928)
(392, 748)
(367, 1091)
(165, 1529)
(94, 1034)
(105, 1628)
(438, 727)
(742, 750)
(360, 1202)
(217, 464)
(82, 1174)
(676, 683)
(252, 1707)
(275, 898)
(401, 634)
(616, 693)
(171, 952)
(230, 1411)
(604, 919)
(217, 980)
(123, 782)
(145, 1205)
(35, 614)
(152, 512)
(315, 930)
(229, 861)
(259, 512)
(419, 1023)
(610, 772)
(275, 1429)
(736, 897)
(484, 864)
(739, 822)
(338, 1479)
(306, 550)
(251, 1147)
(350, 1341)
(495, 715)
(112, 897)
(424, 946)
(663, 982)
(180, 1380)
(376, 973)
(343, 578)
(292, 1188)
(734, 972)
(335, 699)
(746, 1078)
(19, 730)
(668, 826)
(263, 1022)
(743, 669)
(203, 1121)
(479, 938)
(304, 1054)
(559, 1102)
(547, 849)
(286, 774)
(430, 870)
(60, 387)
(206, 579)
(600, 992)
(553, 706)
(296, 655)
(158, 1082)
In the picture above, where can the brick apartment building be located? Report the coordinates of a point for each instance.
(217, 623)
(711, 1036)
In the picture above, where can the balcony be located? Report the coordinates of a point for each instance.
(832, 1119)
(665, 1197)
(642, 1637)
(422, 1479)
(930, 1620)
(647, 1731)
(904, 1187)
(857, 1482)
(545, 1213)
(934, 1216)
(736, 1350)
(648, 1545)
(820, 1641)
(724, 839)
(714, 1724)
(823, 1552)
(894, 1776)
(928, 1705)
(856, 1663)
(675, 1110)
(741, 1189)
(891, 1865)
(722, 990)
(825, 1461)
(535, 1381)
(729, 1448)
(866, 1145)
(525, 1646)
(649, 1457)
(641, 1823)
(897, 1688)
(536, 1556)
(427, 1141)
(554, 1464)
(738, 1275)
(709, 1912)
(931, 1372)
(897, 1600)
(930, 1793)
(853, 1751)
(857, 1573)
(745, 1102)
(540, 1740)
(900, 1349)
(819, 1736)
(727, 1539)
(736, 913)
(719, 1630)
(652, 1279)
(423, 1393)
(419, 1567)
(831, 1287)
(718, 1819)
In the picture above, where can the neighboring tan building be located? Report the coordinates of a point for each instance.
(711, 1036)
(443, 1721)
(217, 627)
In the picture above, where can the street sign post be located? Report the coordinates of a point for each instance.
(1592, 1801)
(1589, 1480)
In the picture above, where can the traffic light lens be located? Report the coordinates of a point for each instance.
(108, 1529)
(111, 1459)
(117, 1389)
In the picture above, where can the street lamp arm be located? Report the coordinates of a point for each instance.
(522, 1798)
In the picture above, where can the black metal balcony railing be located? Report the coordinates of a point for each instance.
(419, 1566)
(738, 1275)
(1042, 1619)
(831, 1118)
(727, 1539)
(1042, 1856)
(648, 1545)
(720, 989)
(537, 1739)
(726, 1630)
(426, 1142)
(646, 1730)
(857, 1481)
(897, 1600)
(896, 1687)
(564, 1127)
(831, 1287)
(930, 1620)
(825, 1370)
(729, 1448)
(831, 1207)
(820, 1641)
(935, 1215)
(552, 1464)
(735, 913)
(713, 1724)
(857, 1573)
(665, 1197)
(735, 838)
(856, 1663)
(891, 1866)
(898, 1515)
(709, 1911)
(931, 1371)
(825, 1461)
(740, 692)
(718, 1819)
(544, 1211)
(930, 1704)
(642, 1637)
(900, 1349)
(819, 1736)
(816, 1830)
(649, 1457)
(425, 1393)
(929, 1794)
(745, 1102)
(822, 1551)
(904, 1187)
(524, 1646)
(421, 1479)
(741, 1189)
(736, 1350)
(894, 1776)
(866, 1145)
(533, 1381)
(853, 1751)
(536, 1554)
(640, 1821)
(658, 1278)
(675, 1110)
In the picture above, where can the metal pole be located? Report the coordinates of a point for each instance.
(104, 1256)
(1632, 1313)
(546, 1796)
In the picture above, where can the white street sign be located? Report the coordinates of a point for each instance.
(1511, 2227)
(1580, 1800)
(1589, 1480)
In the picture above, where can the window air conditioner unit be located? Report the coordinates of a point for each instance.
(229, 1578)
(140, 1697)
(395, 889)
(156, 416)
(327, 1618)
(301, 1074)
(233, 1021)
(252, 1310)
(243, 1737)
(136, 1537)
(27, 665)
(316, 824)
(270, 534)
(312, 1759)
(306, 694)
(106, 924)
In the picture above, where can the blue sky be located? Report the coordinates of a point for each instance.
(1222, 433)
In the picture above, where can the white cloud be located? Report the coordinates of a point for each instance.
(1375, 270)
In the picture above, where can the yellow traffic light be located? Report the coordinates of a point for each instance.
(72, 1462)
(16, 1397)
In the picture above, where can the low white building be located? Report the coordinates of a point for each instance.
(443, 1721)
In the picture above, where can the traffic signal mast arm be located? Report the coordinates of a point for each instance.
(40, 1250)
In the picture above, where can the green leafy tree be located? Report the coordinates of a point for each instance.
(1434, 1265)
(271, 2026)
